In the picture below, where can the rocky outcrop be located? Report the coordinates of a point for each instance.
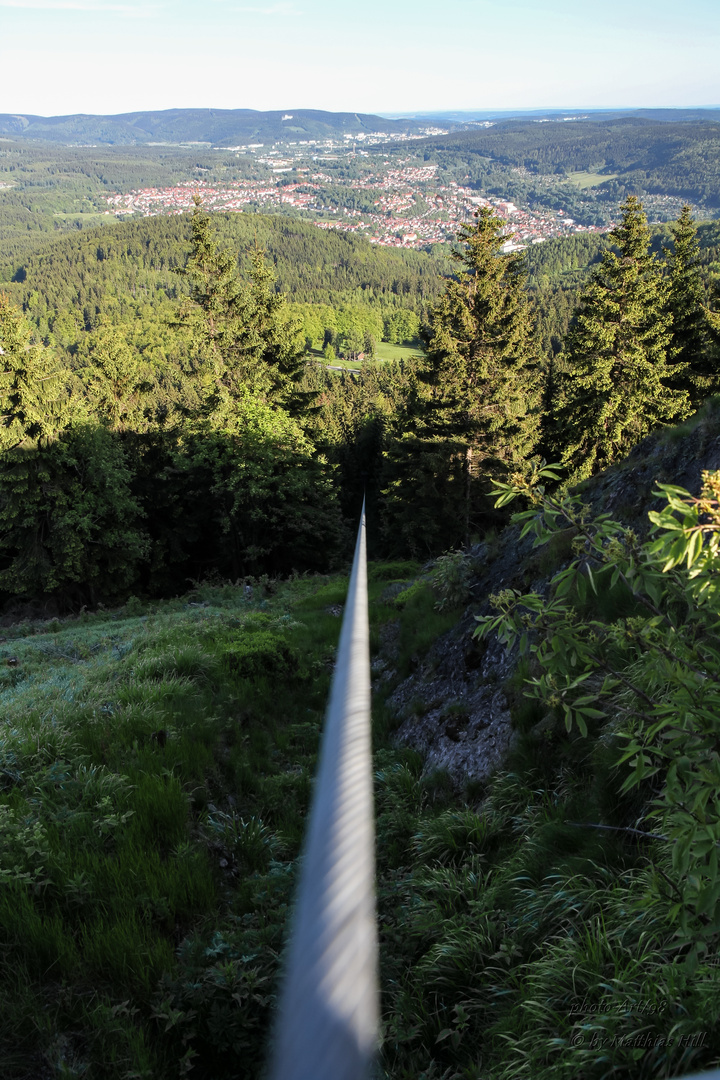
(453, 708)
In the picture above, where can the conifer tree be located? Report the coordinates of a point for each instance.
(482, 361)
(695, 363)
(481, 373)
(614, 371)
(33, 404)
(114, 380)
(248, 341)
(257, 493)
(68, 521)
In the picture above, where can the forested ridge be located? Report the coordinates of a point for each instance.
(126, 274)
(311, 265)
(223, 126)
(668, 158)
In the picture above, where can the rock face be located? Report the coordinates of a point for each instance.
(452, 708)
(673, 456)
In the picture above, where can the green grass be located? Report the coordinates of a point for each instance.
(155, 778)
(95, 217)
(584, 180)
(385, 351)
(156, 769)
(347, 365)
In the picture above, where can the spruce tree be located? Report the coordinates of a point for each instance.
(247, 341)
(693, 356)
(614, 371)
(258, 495)
(68, 521)
(33, 400)
(114, 380)
(482, 372)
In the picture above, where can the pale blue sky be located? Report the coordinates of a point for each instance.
(108, 56)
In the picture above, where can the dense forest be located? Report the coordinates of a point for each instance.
(172, 350)
(342, 288)
(310, 266)
(642, 155)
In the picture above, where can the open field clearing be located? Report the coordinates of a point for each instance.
(584, 180)
(385, 351)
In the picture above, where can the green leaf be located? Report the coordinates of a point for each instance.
(694, 547)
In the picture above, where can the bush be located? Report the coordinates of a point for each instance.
(261, 654)
(654, 673)
(450, 579)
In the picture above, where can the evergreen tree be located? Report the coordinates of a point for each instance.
(69, 524)
(247, 338)
(694, 367)
(260, 496)
(33, 399)
(481, 358)
(114, 380)
(614, 372)
(67, 518)
(481, 378)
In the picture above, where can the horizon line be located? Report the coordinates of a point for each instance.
(386, 114)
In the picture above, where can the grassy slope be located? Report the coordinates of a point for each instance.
(154, 778)
(585, 180)
(151, 764)
(385, 351)
(156, 772)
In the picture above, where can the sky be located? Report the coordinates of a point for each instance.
(379, 56)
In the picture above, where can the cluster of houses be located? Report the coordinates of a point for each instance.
(410, 209)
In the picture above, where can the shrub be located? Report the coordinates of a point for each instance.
(450, 579)
(655, 672)
(261, 654)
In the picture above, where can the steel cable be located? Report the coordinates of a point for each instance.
(328, 1014)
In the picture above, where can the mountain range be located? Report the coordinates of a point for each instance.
(219, 127)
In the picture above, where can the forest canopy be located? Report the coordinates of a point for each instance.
(188, 358)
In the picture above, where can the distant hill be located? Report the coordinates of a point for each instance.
(94, 271)
(679, 157)
(220, 127)
(470, 116)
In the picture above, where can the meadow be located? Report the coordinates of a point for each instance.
(384, 350)
(586, 180)
(156, 768)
